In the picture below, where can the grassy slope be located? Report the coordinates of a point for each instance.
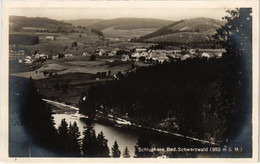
(79, 72)
(202, 24)
(190, 30)
(55, 47)
(182, 37)
(124, 35)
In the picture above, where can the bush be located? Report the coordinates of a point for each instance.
(92, 58)
(74, 44)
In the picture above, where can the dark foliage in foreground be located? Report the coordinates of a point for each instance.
(116, 153)
(142, 144)
(69, 139)
(94, 146)
(37, 117)
(236, 38)
(126, 153)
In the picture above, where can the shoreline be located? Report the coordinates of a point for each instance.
(122, 123)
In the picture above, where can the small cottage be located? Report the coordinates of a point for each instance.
(68, 55)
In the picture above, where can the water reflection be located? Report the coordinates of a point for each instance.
(123, 137)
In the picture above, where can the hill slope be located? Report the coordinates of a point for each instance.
(35, 22)
(185, 31)
(130, 23)
(83, 22)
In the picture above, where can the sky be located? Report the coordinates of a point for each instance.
(111, 13)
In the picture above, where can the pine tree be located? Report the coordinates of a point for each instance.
(142, 143)
(89, 146)
(126, 153)
(74, 134)
(103, 150)
(63, 136)
(116, 153)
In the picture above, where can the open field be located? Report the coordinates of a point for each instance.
(77, 83)
(182, 37)
(77, 72)
(131, 45)
(124, 34)
(78, 64)
(62, 43)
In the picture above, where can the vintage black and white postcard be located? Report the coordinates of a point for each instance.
(130, 81)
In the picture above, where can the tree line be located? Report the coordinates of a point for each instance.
(89, 146)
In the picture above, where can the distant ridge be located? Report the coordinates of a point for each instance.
(40, 22)
(130, 23)
(83, 22)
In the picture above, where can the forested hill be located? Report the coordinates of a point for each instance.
(130, 23)
(35, 22)
(185, 31)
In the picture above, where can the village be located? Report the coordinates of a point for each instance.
(146, 55)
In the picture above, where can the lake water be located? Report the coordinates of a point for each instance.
(124, 137)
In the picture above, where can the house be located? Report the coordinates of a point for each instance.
(112, 53)
(162, 59)
(100, 52)
(219, 55)
(144, 54)
(20, 61)
(184, 57)
(55, 57)
(175, 52)
(125, 58)
(28, 57)
(50, 38)
(37, 56)
(21, 52)
(84, 54)
(68, 55)
(43, 56)
(192, 51)
(135, 55)
(27, 61)
(176, 56)
(206, 55)
(140, 49)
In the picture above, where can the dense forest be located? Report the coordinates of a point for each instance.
(180, 96)
(22, 39)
